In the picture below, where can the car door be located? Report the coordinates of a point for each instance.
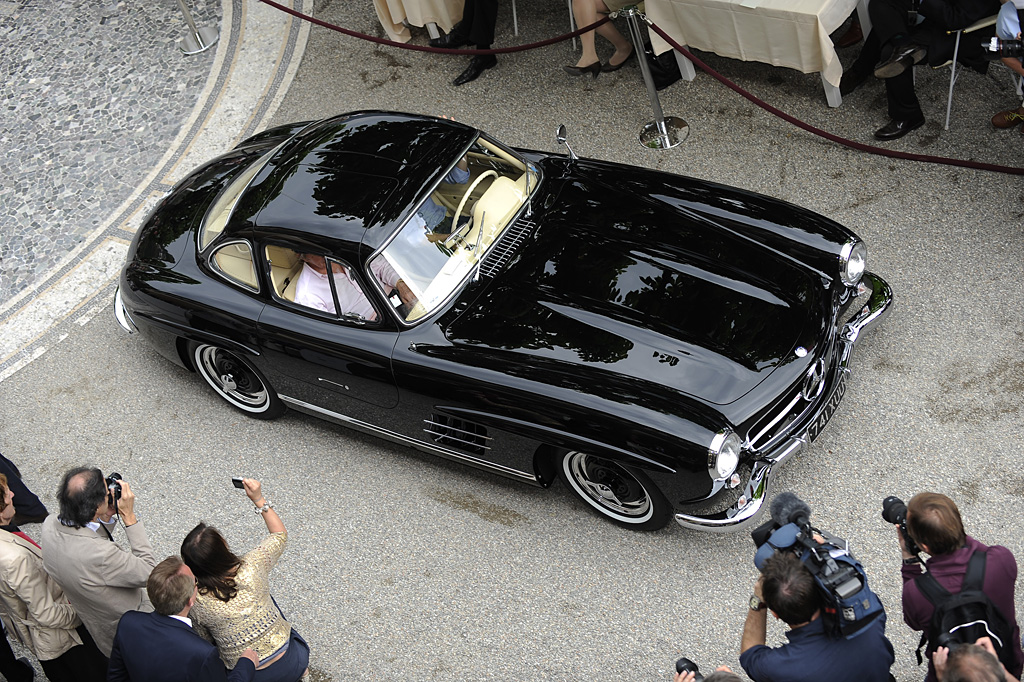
(337, 363)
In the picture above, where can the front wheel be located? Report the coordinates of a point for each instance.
(625, 496)
(236, 381)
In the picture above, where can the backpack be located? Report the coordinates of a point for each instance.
(965, 617)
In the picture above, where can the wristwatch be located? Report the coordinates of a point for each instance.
(756, 604)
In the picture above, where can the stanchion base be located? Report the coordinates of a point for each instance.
(202, 40)
(676, 130)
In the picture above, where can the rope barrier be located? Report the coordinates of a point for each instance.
(978, 165)
(423, 48)
(859, 146)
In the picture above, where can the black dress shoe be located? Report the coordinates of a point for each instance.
(477, 66)
(851, 81)
(455, 39)
(592, 69)
(901, 59)
(896, 129)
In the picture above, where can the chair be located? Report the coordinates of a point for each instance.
(954, 65)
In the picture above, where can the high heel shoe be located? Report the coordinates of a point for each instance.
(609, 67)
(593, 69)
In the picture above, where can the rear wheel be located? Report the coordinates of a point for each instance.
(236, 381)
(626, 496)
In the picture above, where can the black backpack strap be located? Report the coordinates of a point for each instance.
(975, 577)
(935, 594)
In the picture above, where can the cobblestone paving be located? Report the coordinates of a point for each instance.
(92, 93)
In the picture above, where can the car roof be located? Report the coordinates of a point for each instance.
(345, 175)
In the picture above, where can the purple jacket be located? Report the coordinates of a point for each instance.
(949, 571)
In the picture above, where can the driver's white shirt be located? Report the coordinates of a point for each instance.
(314, 290)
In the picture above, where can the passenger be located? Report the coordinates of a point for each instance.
(313, 288)
(234, 609)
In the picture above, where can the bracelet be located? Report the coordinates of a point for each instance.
(265, 508)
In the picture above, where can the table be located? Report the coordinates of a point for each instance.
(791, 33)
(397, 15)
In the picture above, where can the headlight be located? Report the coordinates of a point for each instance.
(852, 260)
(724, 454)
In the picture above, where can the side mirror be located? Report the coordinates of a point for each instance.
(562, 138)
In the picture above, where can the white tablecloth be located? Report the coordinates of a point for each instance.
(444, 13)
(792, 33)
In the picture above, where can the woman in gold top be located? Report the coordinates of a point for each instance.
(234, 609)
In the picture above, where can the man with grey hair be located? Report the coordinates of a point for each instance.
(100, 579)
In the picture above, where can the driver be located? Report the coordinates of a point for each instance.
(313, 288)
(433, 213)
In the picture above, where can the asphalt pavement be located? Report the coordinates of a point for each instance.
(400, 565)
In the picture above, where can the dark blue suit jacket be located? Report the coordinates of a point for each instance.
(149, 647)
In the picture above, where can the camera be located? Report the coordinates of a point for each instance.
(895, 512)
(114, 488)
(685, 665)
(848, 604)
(998, 49)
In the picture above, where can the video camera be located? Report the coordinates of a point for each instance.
(995, 48)
(848, 603)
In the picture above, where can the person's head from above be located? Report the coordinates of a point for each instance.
(83, 497)
(171, 587)
(971, 663)
(723, 676)
(206, 552)
(934, 522)
(788, 589)
(6, 502)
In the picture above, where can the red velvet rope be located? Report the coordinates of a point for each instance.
(689, 55)
(829, 136)
(424, 48)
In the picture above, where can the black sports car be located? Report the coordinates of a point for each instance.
(658, 342)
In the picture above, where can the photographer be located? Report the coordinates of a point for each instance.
(788, 590)
(101, 580)
(970, 663)
(933, 522)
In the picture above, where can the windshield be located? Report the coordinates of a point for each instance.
(447, 235)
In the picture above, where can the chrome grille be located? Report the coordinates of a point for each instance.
(458, 433)
(506, 247)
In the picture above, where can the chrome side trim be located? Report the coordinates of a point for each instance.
(746, 513)
(411, 442)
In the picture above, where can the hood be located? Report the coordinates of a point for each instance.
(620, 284)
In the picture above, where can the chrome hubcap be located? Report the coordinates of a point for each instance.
(608, 484)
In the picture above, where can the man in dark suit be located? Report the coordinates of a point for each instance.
(905, 33)
(161, 646)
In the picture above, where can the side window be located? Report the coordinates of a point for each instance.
(319, 283)
(234, 261)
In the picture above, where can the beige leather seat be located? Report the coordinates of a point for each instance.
(496, 207)
(284, 270)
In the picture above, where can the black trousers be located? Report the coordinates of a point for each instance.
(10, 667)
(479, 18)
(83, 663)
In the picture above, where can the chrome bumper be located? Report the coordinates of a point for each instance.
(121, 315)
(746, 513)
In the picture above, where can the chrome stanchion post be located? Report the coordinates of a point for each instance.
(195, 40)
(663, 132)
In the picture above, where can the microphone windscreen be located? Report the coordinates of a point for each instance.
(785, 505)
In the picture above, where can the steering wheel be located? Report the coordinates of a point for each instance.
(465, 197)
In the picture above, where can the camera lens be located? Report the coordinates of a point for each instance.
(685, 665)
(894, 510)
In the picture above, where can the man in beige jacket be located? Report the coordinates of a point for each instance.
(101, 580)
(35, 611)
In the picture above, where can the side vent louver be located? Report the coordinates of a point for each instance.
(458, 433)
